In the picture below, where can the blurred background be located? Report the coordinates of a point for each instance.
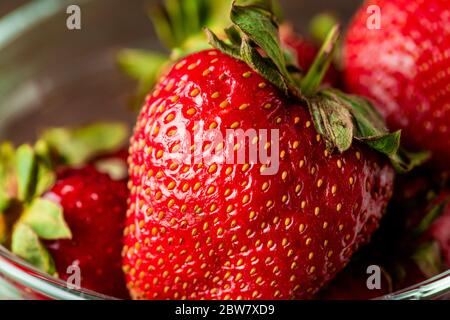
(51, 76)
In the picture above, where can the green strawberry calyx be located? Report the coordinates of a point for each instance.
(428, 259)
(424, 250)
(251, 34)
(179, 25)
(28, 172)
(340, 118)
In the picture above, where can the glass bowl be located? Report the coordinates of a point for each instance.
(51, 76)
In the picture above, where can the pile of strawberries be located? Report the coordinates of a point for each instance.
(188, 229)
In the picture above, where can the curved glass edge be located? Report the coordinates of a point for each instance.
(41, 282)
(24, 18)
(433, 288)
(13, 26)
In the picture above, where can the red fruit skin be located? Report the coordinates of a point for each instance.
(228, 232)
(305, 52)
(94, 209)
(405, 68)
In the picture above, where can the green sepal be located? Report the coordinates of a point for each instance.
(260, 26)
(45, 174)
(46, 219)
(25, 244)
(314, 77)
(115, 168)
(240, 48)
(333, 121)
(431, 217)
(233, 36)
(177, 22)
(263, 66)
(429, 259)
(179, 25)
(3, 229)
(5, 200)
(7, 174)
(143, 66)
(79, 145)
(320, 26)
(222, 46)
(267, 5)
(371, 130)
(404, 161)
(25, 170)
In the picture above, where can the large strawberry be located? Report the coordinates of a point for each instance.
(67, 222)
(403, 64)
(212, 230)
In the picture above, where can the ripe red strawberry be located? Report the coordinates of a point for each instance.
(232, 230)
(94, 208)
(404, 67)
(227, 231)
(440, 231)
(434, 222)
(413, 240)
(57, 216)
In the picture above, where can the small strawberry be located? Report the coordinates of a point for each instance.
(413, 240)
(434, 226)
(234, 231)
(94, 209)
(403, 66)
(64, 217)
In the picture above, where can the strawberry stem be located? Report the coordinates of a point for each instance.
(179, 23)
(321, 25)
(314, 77)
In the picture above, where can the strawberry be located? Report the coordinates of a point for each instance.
(93, 205)
(65, 213)
(433, 225)
(229, 231)
(219, 230)
(412, 243)
(403, 66)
